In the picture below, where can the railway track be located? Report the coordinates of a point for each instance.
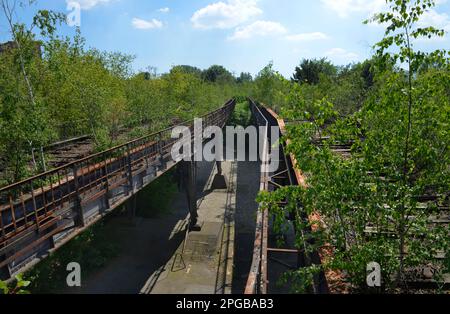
(69, 150)
(62, 153)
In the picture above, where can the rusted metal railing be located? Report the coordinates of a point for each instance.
(257, 280)
(42, 210)
(286, 175)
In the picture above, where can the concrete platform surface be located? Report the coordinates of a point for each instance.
(202, 264)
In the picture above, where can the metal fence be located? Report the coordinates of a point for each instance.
(257, 280)
(40, 211)
(285, 175)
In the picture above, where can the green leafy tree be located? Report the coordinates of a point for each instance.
(383, 202)
(23, 117)
(217, 73)
(309, 71)
(244, 78)
(187, 69)
(269, 86)
(402, 29)
(18, 288)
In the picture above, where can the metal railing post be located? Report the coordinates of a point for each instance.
(108, 192)
(131, 192)
(161, 152)
(78, 208)
(130, 171)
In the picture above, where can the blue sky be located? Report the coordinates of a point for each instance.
(242, 35)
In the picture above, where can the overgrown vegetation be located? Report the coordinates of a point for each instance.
(96, 246)
(381, 204)
(92, 249)
(53, 88)
(18, 286)
(242, 116)
(155, 199)
(384, 202)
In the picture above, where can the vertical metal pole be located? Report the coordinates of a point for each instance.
(79, 219)
(191, 193)
(132, 202)
(36, 215)
(161, 152)
(219, 167)
(13, 213)
(108, 193)
(5, 272)
(24, 208)
(130, 171)
(264, 279)
(1, 223)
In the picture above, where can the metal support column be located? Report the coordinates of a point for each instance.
(132, 201)
(219, 167)
(190, 184)
(79, 219)
(161, 144)
(5, 272)
(219, 182)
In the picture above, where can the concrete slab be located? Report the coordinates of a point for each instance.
(201, 265)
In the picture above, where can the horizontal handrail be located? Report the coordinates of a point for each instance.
(257, 279)
(70, 164)
(29, 205)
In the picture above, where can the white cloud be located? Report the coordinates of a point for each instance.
(258, 28)
(307, 36)
(87, 4)
(225, 15)
(164, 10)
(433, 18)
(341, 55)
(437, 20)
(344, 8)
(143, 24)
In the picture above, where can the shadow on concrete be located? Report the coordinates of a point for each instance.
(248, 177)
(147, 245)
